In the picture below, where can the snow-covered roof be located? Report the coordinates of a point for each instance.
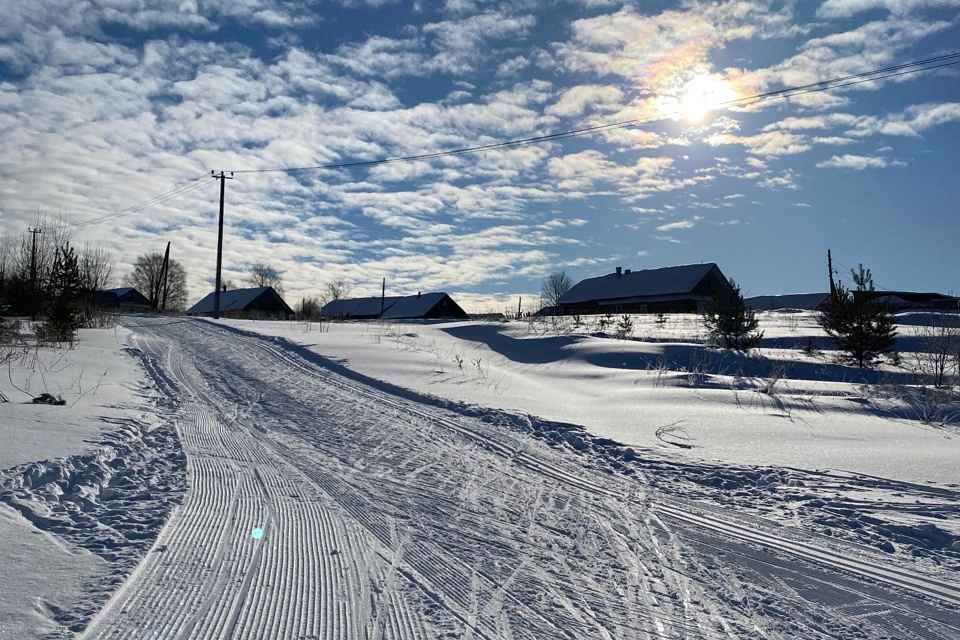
(629, 284)
(233, 300)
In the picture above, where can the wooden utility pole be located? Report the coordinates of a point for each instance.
(383, 295)
(158, 287)
(216, 295)
(33, 258)
(833, 287)
(519, 307)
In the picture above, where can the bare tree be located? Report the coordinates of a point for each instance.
(265, 275)
(96, 268)
(937, 357)
(554, 287)
(145, 278)
(335, 290)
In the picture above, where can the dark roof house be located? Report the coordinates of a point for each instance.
(126, 298)
(419, 306)
(258, 302)
(683, 289)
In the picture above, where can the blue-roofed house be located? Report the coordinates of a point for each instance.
(121, 299)
(420, 306)
(683, 289)
(256, 303)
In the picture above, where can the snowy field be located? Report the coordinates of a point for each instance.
(661, 389)
(69, 538)
(470, 480)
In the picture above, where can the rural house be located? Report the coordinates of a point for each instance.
(121, 299)
(257, 303)
(419, 306)
(684, 289)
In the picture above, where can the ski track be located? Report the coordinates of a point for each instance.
(386, 518)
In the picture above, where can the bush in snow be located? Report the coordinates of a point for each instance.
(863, 330)
(937, 358)
(730, 322)
(624, 326)
(661, 320)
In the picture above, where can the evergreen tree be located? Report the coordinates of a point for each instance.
(65, 286)
(730, 322)
(862, 328)
(624, 326)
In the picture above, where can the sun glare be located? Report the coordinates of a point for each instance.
(702, 94)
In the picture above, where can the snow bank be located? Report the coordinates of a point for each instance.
(84, 487)
(656, 392)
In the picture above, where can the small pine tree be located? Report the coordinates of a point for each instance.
(862, 329)
(65, 286)
(730, 322)
(624, 326)
(661, 320)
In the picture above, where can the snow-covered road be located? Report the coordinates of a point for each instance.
(325, 505)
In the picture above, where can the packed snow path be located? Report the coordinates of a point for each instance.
(320, 505)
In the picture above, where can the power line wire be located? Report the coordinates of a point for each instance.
(906, 68)
(157, 200)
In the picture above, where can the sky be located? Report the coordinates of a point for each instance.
(104, 105)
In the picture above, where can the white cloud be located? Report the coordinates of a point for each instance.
(579, 99)
(855, 162)
(848, 8)
(679, 224)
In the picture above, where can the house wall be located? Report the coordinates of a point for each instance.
(680, 304)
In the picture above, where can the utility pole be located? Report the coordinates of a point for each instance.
(383, 295)
(35, 304)
(162, 279)
(216, 293)
(159, 284)
(33, 258)
(519, 306)
(833, 287)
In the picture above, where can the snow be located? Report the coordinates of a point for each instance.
(816, 418)
(73, 516)
(387, 514)
(310, 514)
(91, 377)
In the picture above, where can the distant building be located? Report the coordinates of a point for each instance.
(805, 301)
(255, 303)
(121, 299)
(420, 306)
(911, 300)
(684, 289)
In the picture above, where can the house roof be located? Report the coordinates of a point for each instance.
(648, 282)
(357, 307)
(394, 307)
(127, 295)
(788, 301)
(413, 306)
(234, 300)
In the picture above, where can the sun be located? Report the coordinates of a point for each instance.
(703, 93)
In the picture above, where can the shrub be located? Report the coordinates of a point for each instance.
(624, 326)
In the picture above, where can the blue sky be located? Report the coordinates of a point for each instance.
(105, 104)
